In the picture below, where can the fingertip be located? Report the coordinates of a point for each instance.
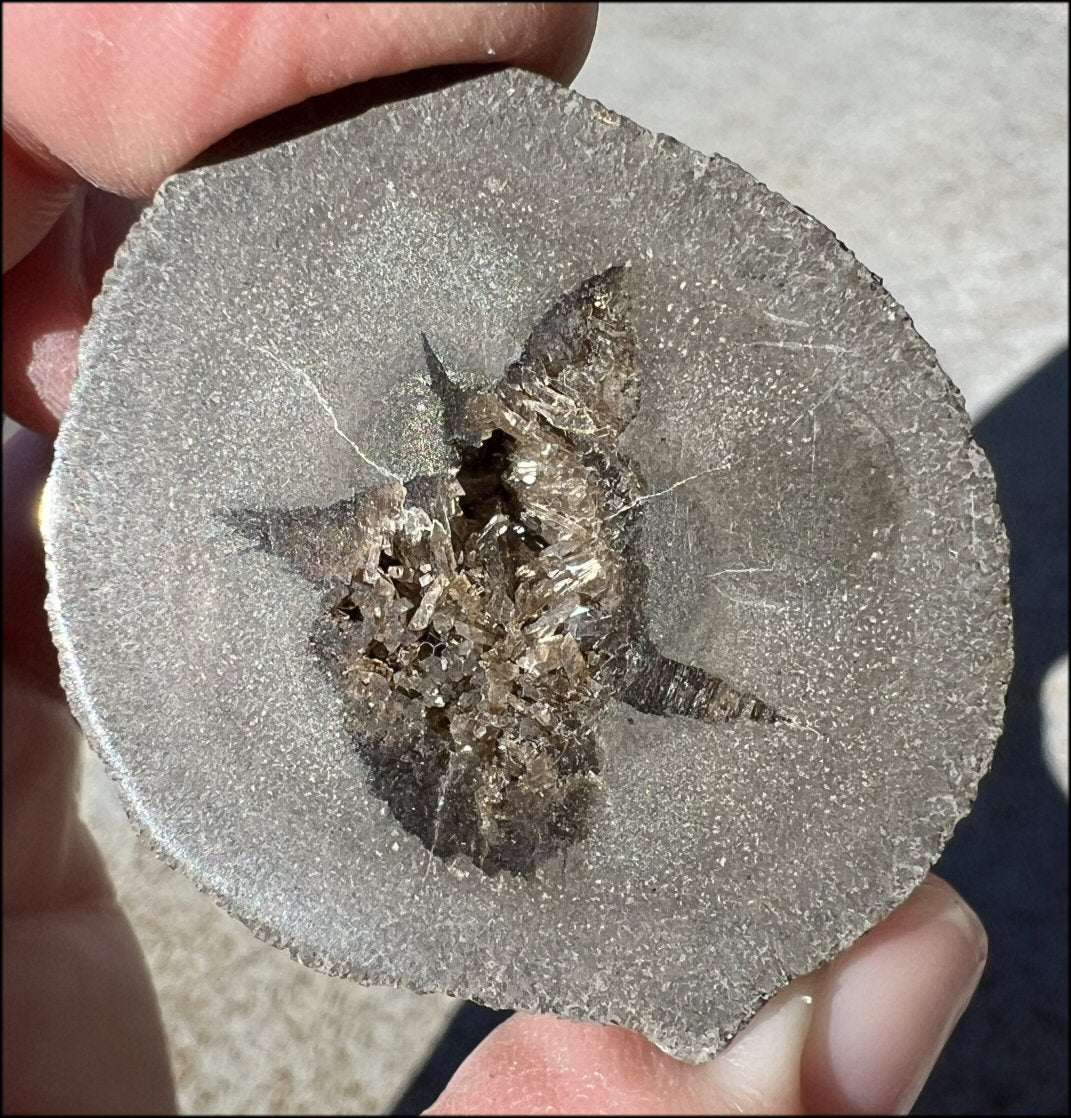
(48, 296)
(889, 1003)
(562, 38)
(759, 1072)
(859, 1036)
(548, 1065)
(33, 200)
(126, 94)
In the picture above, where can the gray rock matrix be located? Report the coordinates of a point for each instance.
(818, 529)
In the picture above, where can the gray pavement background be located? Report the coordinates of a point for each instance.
(932, 139)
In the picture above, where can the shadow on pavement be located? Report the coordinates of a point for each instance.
(1009, 858)
(467, 1028)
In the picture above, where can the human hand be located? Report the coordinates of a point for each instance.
(101, 103)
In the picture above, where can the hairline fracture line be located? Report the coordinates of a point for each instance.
(644, 497)
(321, 400)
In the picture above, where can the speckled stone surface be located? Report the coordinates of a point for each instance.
(835, 546)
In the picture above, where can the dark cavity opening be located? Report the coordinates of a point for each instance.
(482, 476)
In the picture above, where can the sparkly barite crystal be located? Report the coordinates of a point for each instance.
(476, 622)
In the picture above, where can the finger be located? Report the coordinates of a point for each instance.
(48, 297)
(33, 199)
(888, 1007)
(547, 1065)
(796, 1056)
(82, 1032)
(122, 95)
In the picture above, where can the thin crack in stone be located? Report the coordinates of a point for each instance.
(477, 622)
(327, 410)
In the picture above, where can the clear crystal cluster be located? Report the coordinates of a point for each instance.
(476, 622)
(482, 620)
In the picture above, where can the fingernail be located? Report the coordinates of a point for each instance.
(759, 1072)
(888, 1004)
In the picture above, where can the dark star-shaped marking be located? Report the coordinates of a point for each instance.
(476, 622)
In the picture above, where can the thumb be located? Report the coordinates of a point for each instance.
(858, 1036)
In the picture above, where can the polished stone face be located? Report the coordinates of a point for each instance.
(637, 739)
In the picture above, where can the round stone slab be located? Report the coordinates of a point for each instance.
(793, 679)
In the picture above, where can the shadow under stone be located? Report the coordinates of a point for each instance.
(325, 109)
(1009, 857)
(469, 1025)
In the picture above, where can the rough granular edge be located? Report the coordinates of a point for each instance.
(476, 622)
